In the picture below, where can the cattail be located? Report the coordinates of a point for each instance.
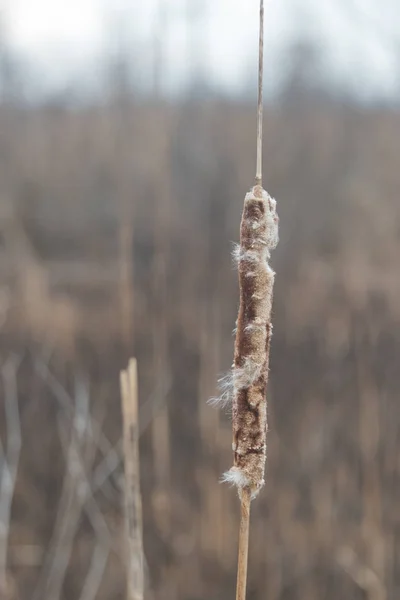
(246, 383)
(245, 386)
(249, 376)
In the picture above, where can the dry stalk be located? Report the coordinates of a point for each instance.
(133, 502)
(243, 545)
(260, 96)
(246, 383)
(9, 461)
(76, 498)
(363, 576)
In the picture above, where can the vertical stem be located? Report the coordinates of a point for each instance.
(126, 277)
(243, 544)
(9, 460)
(161, 422)
(260, 96)
(133, 503)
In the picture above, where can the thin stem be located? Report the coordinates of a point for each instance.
(260, 96)
(133, 501)
(243, 544)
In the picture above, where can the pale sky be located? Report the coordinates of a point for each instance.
(61, 38)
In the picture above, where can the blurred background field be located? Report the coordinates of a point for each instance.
(120, 197)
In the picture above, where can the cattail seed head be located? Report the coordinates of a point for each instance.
(258, 235)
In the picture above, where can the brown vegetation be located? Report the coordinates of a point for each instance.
(89, 193)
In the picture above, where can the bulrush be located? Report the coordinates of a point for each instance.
(249, 376)
(246, 384)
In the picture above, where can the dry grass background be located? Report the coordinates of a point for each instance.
(116, 230)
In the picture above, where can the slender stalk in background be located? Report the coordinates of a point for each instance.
(133, 502)
(9, 461)
(247, 381)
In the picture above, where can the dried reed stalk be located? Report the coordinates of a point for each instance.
(133, 502)
(246, 384)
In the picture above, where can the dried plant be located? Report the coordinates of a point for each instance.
(249, 376)
(247, 382)
(9, 461)
(133, 502)
(80, 440)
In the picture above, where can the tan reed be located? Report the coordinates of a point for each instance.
(246, 383)
(133, 501)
